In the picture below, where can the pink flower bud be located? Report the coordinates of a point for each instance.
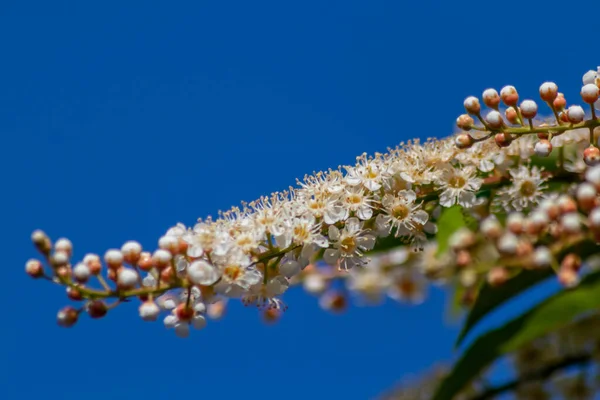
(548, 91)
(509, 95)
(529, 109)
(67, 317)
(543, 148)
(590, 93)
(113, 258)
(465, 122)
(131, 252)
(491, 98)
(494, 119)
(472, 105)
(64, 245)
(97, 309)
(34, 268)
(591, 156)
(149, 311)
(575, 114)
(463, 141)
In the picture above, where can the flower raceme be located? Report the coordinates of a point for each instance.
(530, 194)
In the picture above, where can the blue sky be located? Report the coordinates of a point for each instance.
(118, 121)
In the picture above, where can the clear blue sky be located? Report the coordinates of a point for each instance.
(118, 121)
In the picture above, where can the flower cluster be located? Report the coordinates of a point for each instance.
(373, 225)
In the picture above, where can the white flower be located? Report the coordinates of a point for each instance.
(264, 296)
(526, 189)
(237, 276)
(367, 171)
(357, 202)
(401, 213)
(348, 245)
(459, 186)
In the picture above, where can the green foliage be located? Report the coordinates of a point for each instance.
(450, 221)
(553, 313)
(490, 297)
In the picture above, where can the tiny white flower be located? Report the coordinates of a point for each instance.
(349, 245)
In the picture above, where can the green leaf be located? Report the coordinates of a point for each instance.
(551, 314)
(491, 297)
(451, 220)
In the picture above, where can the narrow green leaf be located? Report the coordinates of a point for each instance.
(553, 313)
(490, 297)
(451, 220)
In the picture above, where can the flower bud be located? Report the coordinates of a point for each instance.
(131, 252)
(570, 223)
(465, 122)
(568, 278)
(566, 204)
(41, 241)
(34, 268)
(592, 175)
(586, 196)
(497, 276)
(542, 257)
(183, 312)
(64, 245)
(529, 109)
(491, 227)
(169, 243)
(508, 243)
(571, 261)
(81, 272)
(149, 311)
(503, 139)
(145, 262)
(491, 98)
(575, 114)
(548, 91)
(511, 115)
(97, 309)
(559, 102)
(590, 93)
(161, 258)
(271, 315)
(74, 294)
(59, 259)
(113, 258)
(594, 219)
(509, 95)
(67, 317)
(536, 222)
(93, 262)
(543, 148)
(216, 310)
(127, 278)
(463, 141)
(314, 283)
(333, 301)
(494, 119)
(463, 258)
(472, 105)
(514, 222)
(591, 156)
